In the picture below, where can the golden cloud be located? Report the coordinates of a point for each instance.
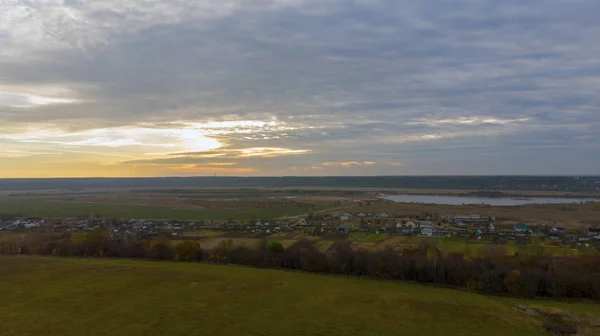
(349, 163)
(269, 152)
(222, 163)
(194, 168)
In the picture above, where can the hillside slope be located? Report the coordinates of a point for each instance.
(60, 296)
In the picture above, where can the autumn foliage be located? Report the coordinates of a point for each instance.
(494, 271)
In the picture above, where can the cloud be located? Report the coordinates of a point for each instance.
(197, 169)
(34, 96)
(467, 121)
(257, 153)
(302, 82)
(397, 164)
(27, 101)
(182, 138)
(222, 163)
(11, 154)
(269, 151)
(349, 163)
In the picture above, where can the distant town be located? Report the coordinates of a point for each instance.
(431, 225)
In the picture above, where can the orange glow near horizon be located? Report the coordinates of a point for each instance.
(53, 151)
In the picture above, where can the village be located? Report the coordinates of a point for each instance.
(431, 225)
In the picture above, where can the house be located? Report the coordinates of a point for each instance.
(460, 223)
(344, 218)
(557, 230)
(410, 224)
(595, 232)
(427, 228)
(32, 225)
(343, 229)
(427, 231)
(521, 228)
(426, 224)
(382, 215)
(361, 215)
(382, 229)
(303, 222)
(407, 230)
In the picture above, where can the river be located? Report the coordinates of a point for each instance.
(494, 201)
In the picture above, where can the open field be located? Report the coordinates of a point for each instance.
(587, 184)
(35, 207)
(269, 203)
(324, 192)
(122, 297)
(566, 215)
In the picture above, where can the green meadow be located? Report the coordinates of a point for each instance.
(68, 296)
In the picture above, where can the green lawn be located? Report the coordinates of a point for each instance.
(32, 207)
(61, 296)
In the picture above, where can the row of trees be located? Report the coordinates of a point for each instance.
(494, 272)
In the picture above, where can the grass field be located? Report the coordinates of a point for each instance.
(62, 297)
(33, 207)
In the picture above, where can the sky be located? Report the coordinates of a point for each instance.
(299, 87)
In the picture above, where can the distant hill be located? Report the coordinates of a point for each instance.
(549, 183)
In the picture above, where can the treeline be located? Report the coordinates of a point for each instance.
(495, 272)
(558, 183)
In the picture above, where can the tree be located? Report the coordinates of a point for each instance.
(90, 243)
(160, 251)
(275, 247)
(188, 250)
(511, 282)
(222, 253)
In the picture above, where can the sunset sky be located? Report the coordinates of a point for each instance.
(299, 87)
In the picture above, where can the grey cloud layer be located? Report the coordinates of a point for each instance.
(377, 80)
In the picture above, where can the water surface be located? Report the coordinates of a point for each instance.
(494, 201)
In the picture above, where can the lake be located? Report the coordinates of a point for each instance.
(494, 201)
